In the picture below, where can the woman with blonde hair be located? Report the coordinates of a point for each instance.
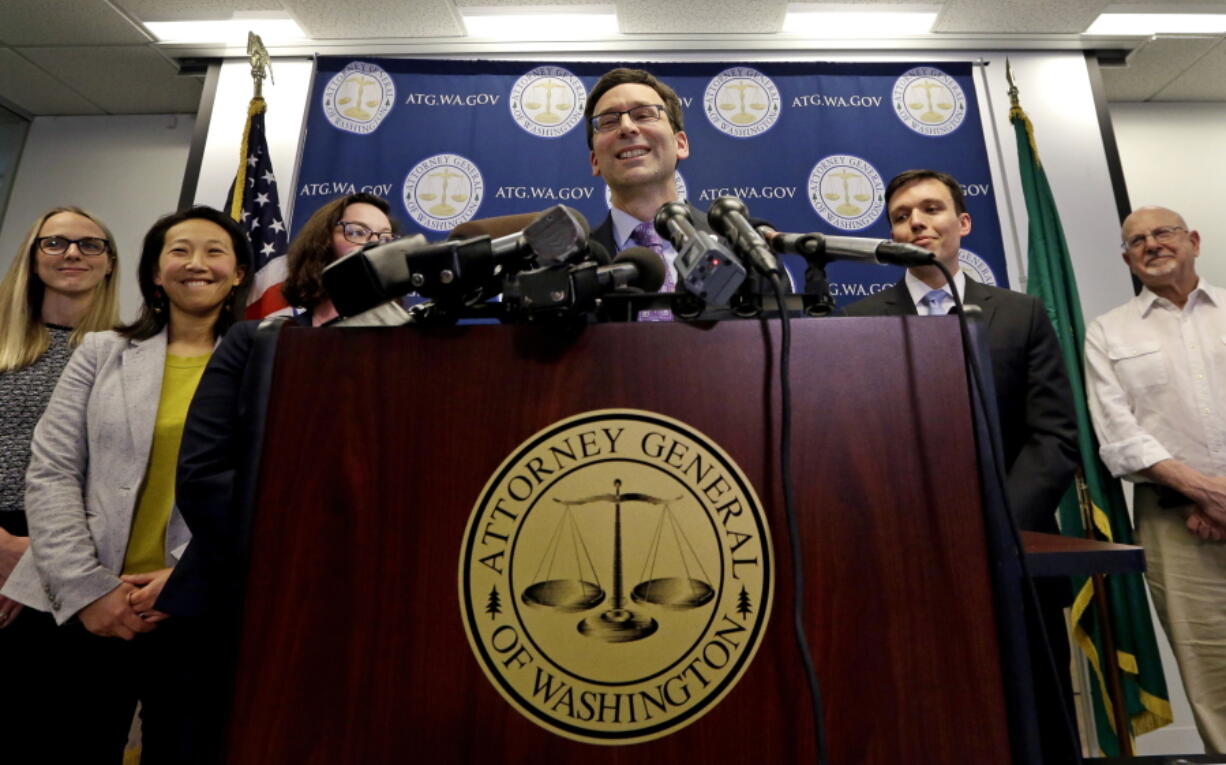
(61, 285)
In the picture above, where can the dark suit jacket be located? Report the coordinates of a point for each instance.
(222, 438)
(1035, 404)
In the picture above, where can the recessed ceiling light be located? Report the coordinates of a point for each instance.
(228, 31)
(541, 22)
(1157, 23)
(828, 21)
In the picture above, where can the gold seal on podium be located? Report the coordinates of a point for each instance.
(616, 576)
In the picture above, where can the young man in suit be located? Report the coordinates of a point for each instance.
(1034, 402)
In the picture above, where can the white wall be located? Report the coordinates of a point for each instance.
(127, 170)
(1055, 92)
(286, 101)
(1173, 155)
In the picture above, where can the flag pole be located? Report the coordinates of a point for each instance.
(260, 61)
(253, 199)
(1123, 727)
(1106, 623)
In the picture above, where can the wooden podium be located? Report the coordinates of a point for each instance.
(378, 442)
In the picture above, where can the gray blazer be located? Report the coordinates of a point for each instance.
(88, 460)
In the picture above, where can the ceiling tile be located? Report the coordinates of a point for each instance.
(1153, 66)
(533, 3)
(122, 80)
(187, 10)
(1010, 16)
(648, 16)
(29, 87)
(330, 20)
(65, 22)
(1202, 81)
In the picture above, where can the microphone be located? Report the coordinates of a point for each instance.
(728, 216)
(557, 235)
(453, 269)
(370, 276)
(636, 268)
(567, 291)
(853, 248)
(705, 265)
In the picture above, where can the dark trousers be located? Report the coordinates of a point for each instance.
(28, 676)
(67, 695)
(28, 688)
(164, 670)
(1053, 693)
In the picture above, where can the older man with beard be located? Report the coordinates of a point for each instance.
(1156, 373)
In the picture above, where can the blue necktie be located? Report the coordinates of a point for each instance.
(934, 302)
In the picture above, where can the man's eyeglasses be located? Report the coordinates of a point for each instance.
(1161, 235)
(360, 233)
(90, 246)
(639, 115)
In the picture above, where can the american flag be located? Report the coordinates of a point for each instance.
(258, 208)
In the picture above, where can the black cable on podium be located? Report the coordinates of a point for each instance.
(999, 472)
(798, 570)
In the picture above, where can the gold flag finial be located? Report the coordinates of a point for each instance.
(1013, 102)
(260, 61)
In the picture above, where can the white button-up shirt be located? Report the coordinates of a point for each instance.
(1156, 378)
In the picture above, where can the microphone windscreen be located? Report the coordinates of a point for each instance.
(598, 253)
(650, 267)
(352, 284)
(493, 227)
(578, 216)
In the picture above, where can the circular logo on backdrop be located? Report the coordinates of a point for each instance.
(741, 102)
(548, 101)
(678, 181)
(846, 191)
(616, 576)
(929, 101)
(976, 267)
(443, 191)
(358, 97)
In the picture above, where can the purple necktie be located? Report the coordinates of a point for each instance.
(644, 235)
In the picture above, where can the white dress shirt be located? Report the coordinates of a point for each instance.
(1156, 379)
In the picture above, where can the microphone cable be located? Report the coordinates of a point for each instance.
(1031, 593)
(798, 570)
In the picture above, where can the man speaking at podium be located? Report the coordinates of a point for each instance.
(1034, 402)
(636, 133)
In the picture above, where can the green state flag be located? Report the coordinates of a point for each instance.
(1050, 273)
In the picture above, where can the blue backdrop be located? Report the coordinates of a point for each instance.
(808, 146)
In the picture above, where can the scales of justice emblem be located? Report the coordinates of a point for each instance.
(620, 623)
(438, 196)
(543, 111)
(358, 97)
(929, 101)
(547, 101)
(741, 102)
(616, 576)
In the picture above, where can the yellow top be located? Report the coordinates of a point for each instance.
(147, 542)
